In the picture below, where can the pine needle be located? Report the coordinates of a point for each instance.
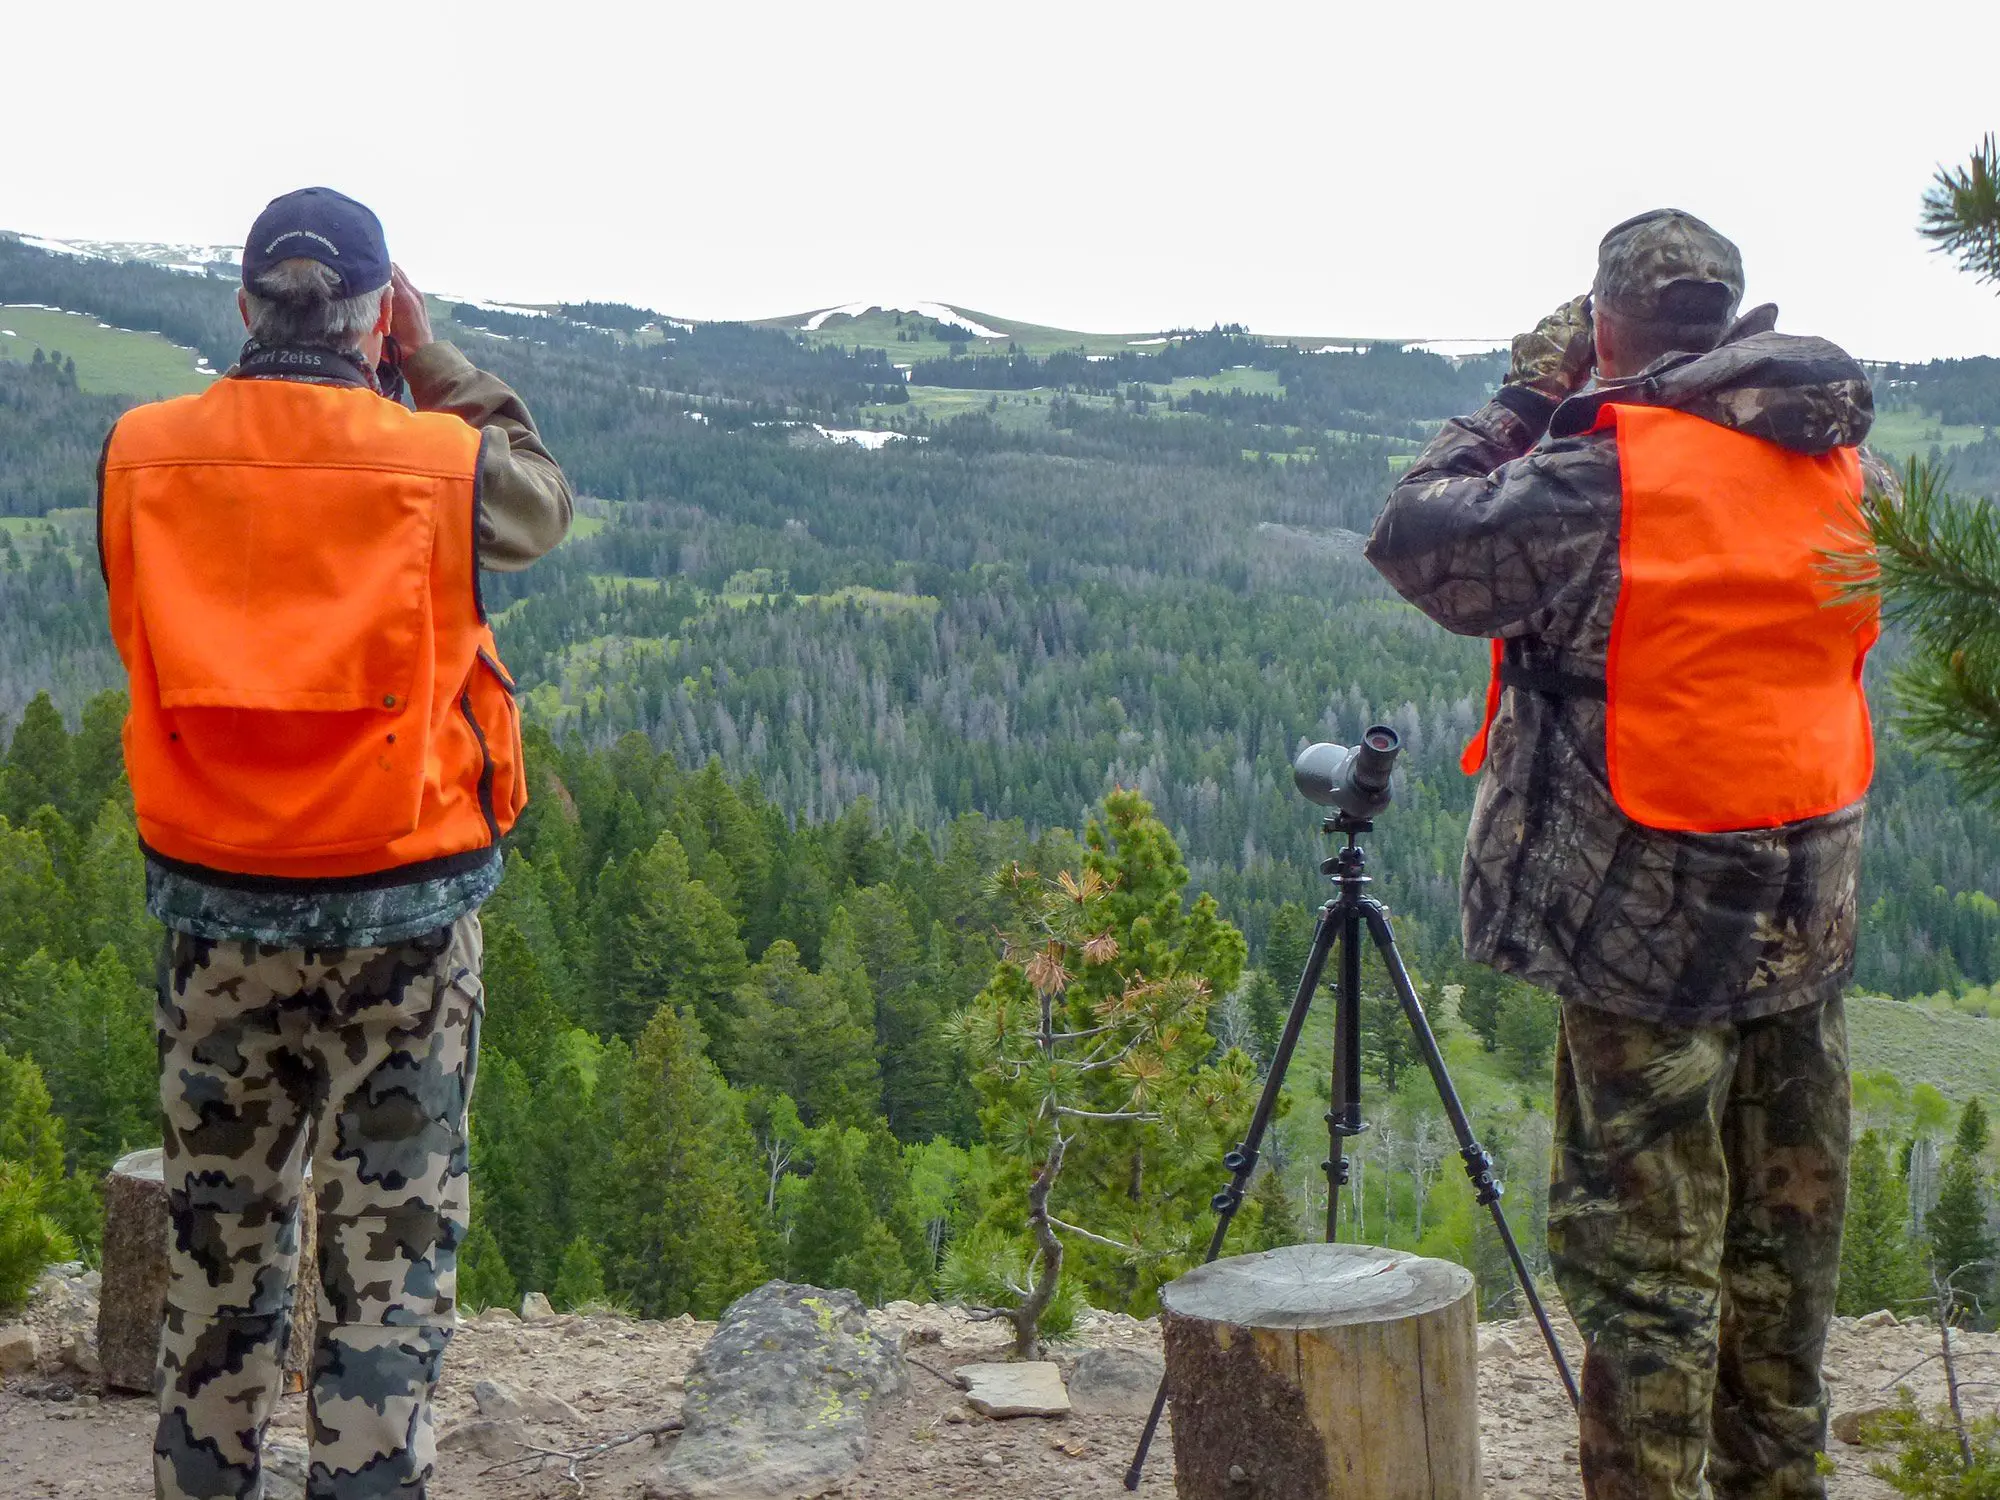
(1961, 215)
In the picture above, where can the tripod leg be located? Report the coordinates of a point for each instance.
(1242, 1162)
(1478, 1165)
(1343, 1114)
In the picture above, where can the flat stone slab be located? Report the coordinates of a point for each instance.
(1115, 1382)
(1031, 1389)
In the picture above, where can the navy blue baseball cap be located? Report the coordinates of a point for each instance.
(319, 224)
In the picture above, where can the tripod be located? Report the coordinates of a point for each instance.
(1341, 920)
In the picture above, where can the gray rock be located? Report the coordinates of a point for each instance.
(1031, 1389)
(1847, 1425)
(1115, 1382)
(778, 1400)
(486, 1437)
(535, 1308)
(1881, 1318)
(19, 1350)
(285, 1459)
(550, 1409)
(499, 1402)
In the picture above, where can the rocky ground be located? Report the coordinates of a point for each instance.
(570, 1382)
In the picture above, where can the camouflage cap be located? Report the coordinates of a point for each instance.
(1668, 267)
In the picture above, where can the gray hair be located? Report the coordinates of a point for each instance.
(294, 303)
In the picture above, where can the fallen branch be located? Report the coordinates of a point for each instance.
(540, 1457)
(951, 1380)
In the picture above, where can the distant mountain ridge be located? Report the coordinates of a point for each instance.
(858, 321)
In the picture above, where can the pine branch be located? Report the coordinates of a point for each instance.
(1934, 558)
(1961, 214)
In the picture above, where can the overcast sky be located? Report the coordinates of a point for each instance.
(1414, 170)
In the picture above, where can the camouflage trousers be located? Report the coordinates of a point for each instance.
(1699, 1183)
(364, 1059)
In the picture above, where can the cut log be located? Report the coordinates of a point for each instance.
(1324, 1371)
(132, 1296)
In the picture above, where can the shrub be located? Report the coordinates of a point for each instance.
(29, 1238)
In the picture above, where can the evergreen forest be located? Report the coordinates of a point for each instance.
(816, 726)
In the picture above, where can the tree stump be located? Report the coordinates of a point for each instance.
(1324, 1371)
(132, 1298)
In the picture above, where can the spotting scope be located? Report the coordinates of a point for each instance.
(1353, 781)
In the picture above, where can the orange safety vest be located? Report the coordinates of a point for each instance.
(294, 585)
(1733, 686)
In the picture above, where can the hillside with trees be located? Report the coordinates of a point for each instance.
(798, 703)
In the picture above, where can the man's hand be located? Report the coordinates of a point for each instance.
(1557, 357)
(409, 319)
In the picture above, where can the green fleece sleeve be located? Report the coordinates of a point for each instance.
(524, 500)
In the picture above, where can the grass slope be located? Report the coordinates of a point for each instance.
(1905, 432)
(109, 361)
(1958, 1055)
(878, 329)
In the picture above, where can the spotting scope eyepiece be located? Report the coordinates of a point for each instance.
(1353, 781)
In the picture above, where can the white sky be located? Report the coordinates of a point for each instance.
(1398, 170)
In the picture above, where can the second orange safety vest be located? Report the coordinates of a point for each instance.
(1732, 689)
(294, 589)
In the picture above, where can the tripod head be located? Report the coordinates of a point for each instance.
(1353, 782)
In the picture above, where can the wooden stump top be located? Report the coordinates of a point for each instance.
(142, 1166)
(1316, 1286)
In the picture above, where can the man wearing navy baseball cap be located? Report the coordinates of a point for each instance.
(324, 752)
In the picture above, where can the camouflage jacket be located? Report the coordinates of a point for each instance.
(1507, 526)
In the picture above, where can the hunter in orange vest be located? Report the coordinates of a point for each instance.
(324, 752)
(1674, 759)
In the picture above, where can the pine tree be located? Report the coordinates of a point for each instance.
(97, 754)
(682, 1236)
(1934, 556)
(1276, 1224)
(1961, 1249)
(37, 766)
(522, 1019)
(664, 938)
(920, 1087)
(580, 1281)
(1287, 946)
(1266, 1006)
(34, 905)
(484, 1279)
(34, 1192)
(1103, 1092)
(111, 892)
(1526, 1029)
(833, 1215)
(1878, 1268)
(799, 1033)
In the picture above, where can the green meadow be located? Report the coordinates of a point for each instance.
(109, 361)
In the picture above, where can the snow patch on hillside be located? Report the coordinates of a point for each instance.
(937, 312)
(863, 437)
(189, 260)
(500, 307)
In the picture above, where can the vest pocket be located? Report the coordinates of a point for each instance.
(497, 717)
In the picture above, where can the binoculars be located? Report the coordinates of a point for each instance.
(1355, 780)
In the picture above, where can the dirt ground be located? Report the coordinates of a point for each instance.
(59, 1439)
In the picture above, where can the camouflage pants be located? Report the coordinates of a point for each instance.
(1699, 1183)
(364, 1057)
